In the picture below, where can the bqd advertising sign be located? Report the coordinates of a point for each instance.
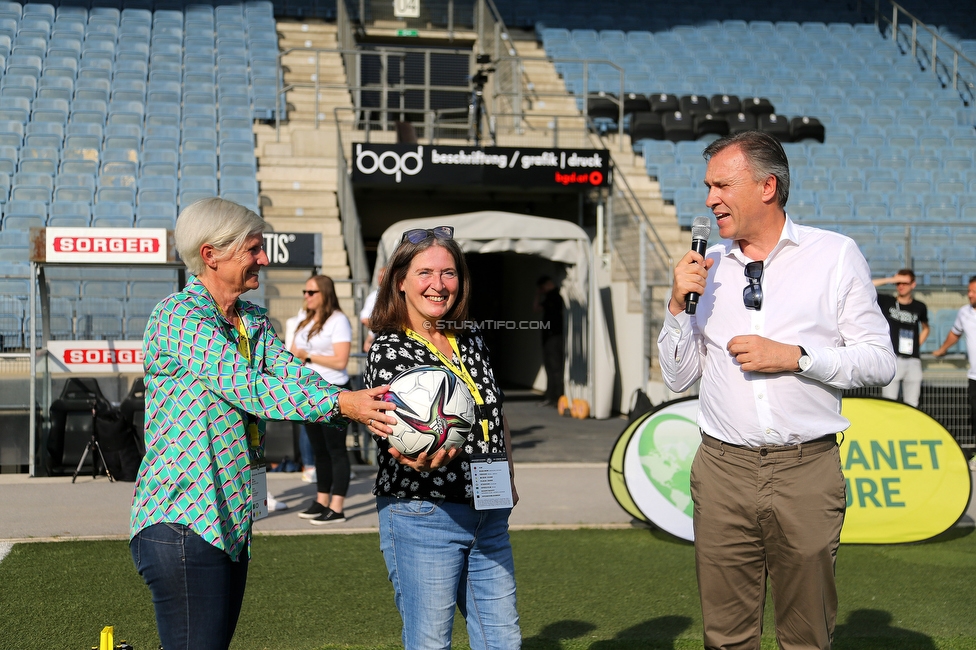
(399, 165)
(907, 478)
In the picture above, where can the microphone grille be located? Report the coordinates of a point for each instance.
(701, 228)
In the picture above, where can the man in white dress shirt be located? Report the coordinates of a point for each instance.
(965, 325)
(787, 319)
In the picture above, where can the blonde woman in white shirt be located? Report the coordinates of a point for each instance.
(323, 341)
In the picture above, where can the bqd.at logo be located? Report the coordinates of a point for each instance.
(390, 163)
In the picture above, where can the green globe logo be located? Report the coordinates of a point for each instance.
(667, 447)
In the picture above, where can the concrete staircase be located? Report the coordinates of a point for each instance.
(297, 173)
(548, 102)
(547, 98)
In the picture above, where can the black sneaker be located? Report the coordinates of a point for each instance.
(328, 517)
(313, 510)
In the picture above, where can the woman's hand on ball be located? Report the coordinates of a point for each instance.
(423, 462)
(367, 406)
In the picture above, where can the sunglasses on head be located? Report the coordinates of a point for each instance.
(752, 295)
(419, 235)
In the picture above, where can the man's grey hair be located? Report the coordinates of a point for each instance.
(765, 155)
(223, 224)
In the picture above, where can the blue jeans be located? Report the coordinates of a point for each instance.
(196, 589)
(442, 554)
(305, 446)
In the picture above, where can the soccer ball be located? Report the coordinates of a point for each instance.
(434, 409)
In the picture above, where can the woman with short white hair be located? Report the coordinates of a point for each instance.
(215, 370)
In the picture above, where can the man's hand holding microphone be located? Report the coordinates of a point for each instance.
(691, 271)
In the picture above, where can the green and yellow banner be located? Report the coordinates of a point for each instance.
(907, 478)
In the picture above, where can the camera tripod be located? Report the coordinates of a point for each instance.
(96, 452)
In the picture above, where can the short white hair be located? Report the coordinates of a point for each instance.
(223, 224)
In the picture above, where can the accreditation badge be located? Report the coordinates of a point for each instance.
(906, 342)
(491, 481)
(259, 491)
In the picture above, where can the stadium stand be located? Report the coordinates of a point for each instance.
(106, 116)
(873, 133)
(120, 114)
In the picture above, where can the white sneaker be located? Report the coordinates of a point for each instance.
(972, 463)
(308, 474)
(274, 504)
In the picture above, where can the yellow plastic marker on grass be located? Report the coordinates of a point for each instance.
(107, 639)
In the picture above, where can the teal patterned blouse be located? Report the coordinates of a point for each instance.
(199, 390)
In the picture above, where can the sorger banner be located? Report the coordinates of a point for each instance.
(95, 356)
(907, 479)
(106, 245)
(399, 165)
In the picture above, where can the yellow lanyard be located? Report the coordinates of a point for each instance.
(244, 342)
(244, 348)
(458, 370)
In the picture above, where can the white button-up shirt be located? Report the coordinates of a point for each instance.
(817, 293)
(965, 325)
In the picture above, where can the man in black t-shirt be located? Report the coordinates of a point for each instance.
(908, 321)
(550, 303)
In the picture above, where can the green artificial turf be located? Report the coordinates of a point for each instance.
(600, 589)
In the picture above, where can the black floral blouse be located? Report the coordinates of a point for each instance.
(396, 352)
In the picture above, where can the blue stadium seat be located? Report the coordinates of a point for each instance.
(69, 213)
(927, 264)
(22, 215)
(190, 196)
(11, 322)
(905, 207)
(38, 160)
(112, 214)
(958, 264)
(103, 288)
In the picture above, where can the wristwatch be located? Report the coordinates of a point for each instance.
(805, 361)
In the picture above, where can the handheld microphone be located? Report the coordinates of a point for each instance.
(701, 228)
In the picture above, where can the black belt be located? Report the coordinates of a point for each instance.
(813, 446)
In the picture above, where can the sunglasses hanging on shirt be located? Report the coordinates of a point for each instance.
(752, 295)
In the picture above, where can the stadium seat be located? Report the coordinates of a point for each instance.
(806, 128)
(678, 127)
(109, 214)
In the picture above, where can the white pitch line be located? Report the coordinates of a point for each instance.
(5, 548)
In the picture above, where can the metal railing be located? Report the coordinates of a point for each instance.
(352, 59)
(523, 90)
(352, 233)
(944, 398)
(924, 44)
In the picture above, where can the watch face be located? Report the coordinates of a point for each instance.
(805, 362)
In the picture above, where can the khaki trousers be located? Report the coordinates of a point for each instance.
(770, 511)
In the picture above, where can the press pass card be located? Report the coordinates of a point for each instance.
(491, 481)
(259, 492)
